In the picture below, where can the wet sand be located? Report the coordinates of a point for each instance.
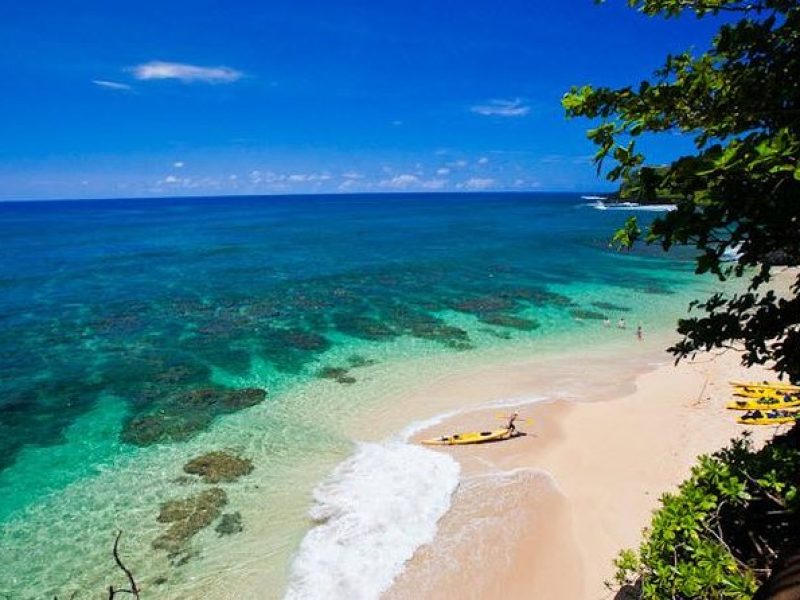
(544, 515)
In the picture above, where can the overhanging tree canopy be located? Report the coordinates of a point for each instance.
(740, 190)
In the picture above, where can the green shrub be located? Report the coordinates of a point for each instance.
(720, 534)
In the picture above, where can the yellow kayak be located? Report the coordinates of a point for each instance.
(761, 393)
(780, 420)
(473, 437)
(774, 385)
(763, 404)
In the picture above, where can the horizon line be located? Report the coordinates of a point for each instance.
(292, 195)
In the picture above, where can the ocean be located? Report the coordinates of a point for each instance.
(139, 334)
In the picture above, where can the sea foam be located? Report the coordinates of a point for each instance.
(372, 513)
(375, 510)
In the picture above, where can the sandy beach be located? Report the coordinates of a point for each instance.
(544, 515)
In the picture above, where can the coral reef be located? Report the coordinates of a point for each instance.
(510, 321)
(581, 313)
(229, 524)
(610, 306)
(219, 467)
(339, 374)
(183, 414)
(187, 517)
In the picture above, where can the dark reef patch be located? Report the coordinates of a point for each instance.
(510, 321)
(290, 349)
(485, 304)
(610, 306)
(229, 524)
(537, 296)
(187, 517)
(338, 374)
(424, 326)
(581, 313)
(181, 415)
(219, 467)
(656, 290)
(363, 327)
(356, 361)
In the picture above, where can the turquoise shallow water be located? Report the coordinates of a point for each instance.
(137, 334)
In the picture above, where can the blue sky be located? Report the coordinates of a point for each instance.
(108, 99)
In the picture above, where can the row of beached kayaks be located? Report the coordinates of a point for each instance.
(766, 402)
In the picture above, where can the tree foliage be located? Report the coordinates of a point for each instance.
(740, 190)
(719, 535)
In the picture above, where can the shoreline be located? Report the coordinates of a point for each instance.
(396, 402)
(596, 468)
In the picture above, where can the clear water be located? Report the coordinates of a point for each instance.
(124, 326)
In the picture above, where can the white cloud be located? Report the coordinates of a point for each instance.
(306, 177)
(434, 184)
(483, 160)
(401, 181)
(502, 108)
(477, 183)
(111, 85)
(443, 171)
(407, 180)
(348, 185)
(171, 179)
(157, 69)
(352, 175)
(457, 164)
(178, 164)
(257, 177)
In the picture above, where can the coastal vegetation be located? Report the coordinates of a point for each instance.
(732, 527)
(740, 103)
(722, 532)
(646, 186)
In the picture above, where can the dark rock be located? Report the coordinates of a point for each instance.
(339, 374)
(218, 467)
(181, 373)
(657, 290)
(357, 361)
(503, 335)
(163, 427)
(245, 398)
(363, 327)
(538, 297)
(187, 517)
(485, 304)
(580, 313)
(183, 414)
(229, 524)
(303, 340)
(610, 306)
(503, 320)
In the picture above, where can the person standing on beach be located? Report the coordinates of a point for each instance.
(639, 334)
(512, 429)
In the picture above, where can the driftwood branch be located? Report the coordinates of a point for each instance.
(134, 589)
